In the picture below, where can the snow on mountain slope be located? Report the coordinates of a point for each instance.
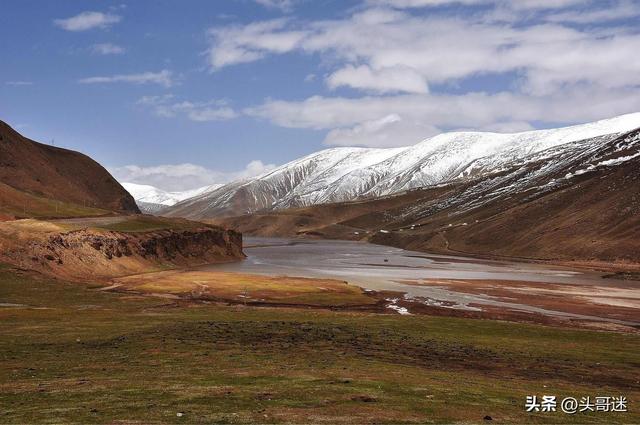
(344, 174)
(146, 194)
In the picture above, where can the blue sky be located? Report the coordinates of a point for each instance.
(182, 94)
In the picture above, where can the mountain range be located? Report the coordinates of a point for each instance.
(153, 200)
(577, 202)
(352, 174)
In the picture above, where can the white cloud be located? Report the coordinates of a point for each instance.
(513, 4)
(179, 177)
(382, 50)
(624, 9)
(389, 131)
(107, 49)
(235, 44)
(546, 67)
(384, 80)
(508, 127)
(166, 106)
(253, 168)
(159, 104)
(401, 4)
(163, 78)
(19, 83)
(87, 20)
(372, 120)
(542, 4)
(170, 177)
(283, 5)
(212, 114)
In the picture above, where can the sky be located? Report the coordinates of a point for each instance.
(182, 94)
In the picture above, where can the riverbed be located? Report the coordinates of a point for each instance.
(453, 282)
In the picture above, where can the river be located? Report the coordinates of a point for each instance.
(377, 267)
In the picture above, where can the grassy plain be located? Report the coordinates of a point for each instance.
(130, 223)
(146, 223)
(70, 353)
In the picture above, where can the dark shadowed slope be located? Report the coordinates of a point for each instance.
(36, 173)
(580, 204)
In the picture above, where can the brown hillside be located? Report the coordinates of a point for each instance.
(90, 248)
(45, 171)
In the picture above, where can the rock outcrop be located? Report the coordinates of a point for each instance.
(88, 254)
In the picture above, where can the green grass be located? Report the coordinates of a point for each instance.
(75, 354)
(136, 224)
(38, 207)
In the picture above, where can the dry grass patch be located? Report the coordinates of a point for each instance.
(237, 287)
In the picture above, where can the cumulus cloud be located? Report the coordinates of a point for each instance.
(514, 4)
(87, 20)
(401, 4)
(383, 80)
(168, 106)
(389, 131)
(412, 67)
(107, 49)
(385, 50)
(418, 116)
(508, 127)
(179, 177)
(237, 44)
(283, 5)
(254, 168)
(163, 78)
(542, 4)
(211, 114)
(624, 9)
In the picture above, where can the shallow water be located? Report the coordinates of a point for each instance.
(378, 267)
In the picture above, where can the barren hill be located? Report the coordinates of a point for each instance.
(33, 175)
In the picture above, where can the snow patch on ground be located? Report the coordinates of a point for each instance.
(394, 306)
(617, 161)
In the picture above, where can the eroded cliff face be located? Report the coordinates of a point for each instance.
(87, 254)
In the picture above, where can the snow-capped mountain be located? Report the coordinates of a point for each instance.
(344, 174)
(576, 201)
(151, 199)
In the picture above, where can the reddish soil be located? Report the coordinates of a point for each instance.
(620, 303)
(59, 174)
(93, 255)
(5, 217)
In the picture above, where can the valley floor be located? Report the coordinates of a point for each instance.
(70, 353)
(246, 343)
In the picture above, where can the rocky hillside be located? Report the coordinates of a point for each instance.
(43, 174)
(80, 253)
(579, 204)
